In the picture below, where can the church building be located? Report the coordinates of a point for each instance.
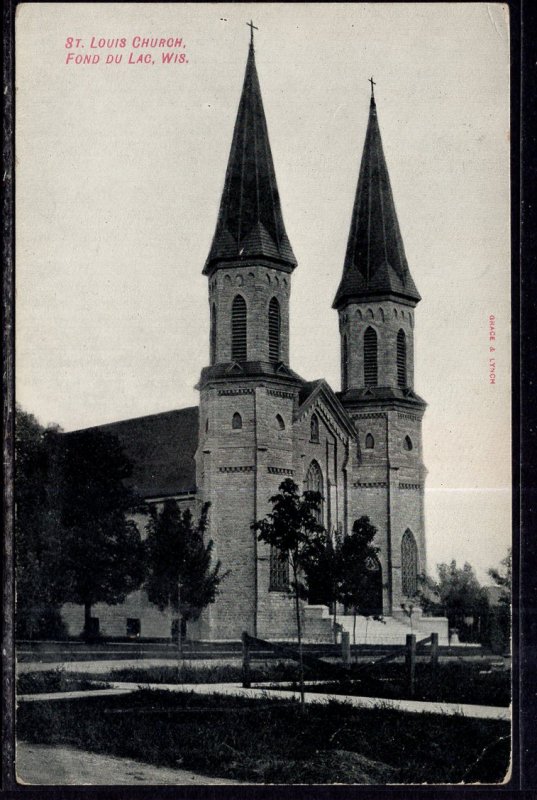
(258, 422)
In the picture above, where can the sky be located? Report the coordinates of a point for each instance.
(120, 169)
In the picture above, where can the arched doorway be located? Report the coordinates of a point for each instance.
(372, 597)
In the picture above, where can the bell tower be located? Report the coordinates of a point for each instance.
(248, 393)
(375, 301)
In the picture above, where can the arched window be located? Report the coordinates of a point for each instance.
(280, 423)
(407, 443)
(401, 359)
(213, 333)
(236, 422)
(370, 358)
(344, 363)
(314, 428)
(238, 329)
(274, 325)
(314, 483)
(279, 571)
(409, 564)
(369, 442)
(371, 587)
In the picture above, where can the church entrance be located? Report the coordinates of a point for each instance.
(371, 605)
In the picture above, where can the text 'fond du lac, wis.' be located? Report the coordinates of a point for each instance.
(125, 50)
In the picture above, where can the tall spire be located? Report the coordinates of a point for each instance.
(250, 223)
(375, 262)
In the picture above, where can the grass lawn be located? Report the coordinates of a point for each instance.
(272, 741)
(455, 682)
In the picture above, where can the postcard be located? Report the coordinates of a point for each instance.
(263, 434)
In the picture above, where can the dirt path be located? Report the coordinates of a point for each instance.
(41, 764)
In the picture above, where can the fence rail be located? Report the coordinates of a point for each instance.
(409, 652)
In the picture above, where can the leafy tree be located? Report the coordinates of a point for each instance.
(36, 531)
(293, 528)
(36, 540)
(503, 577)
(102, 554)
(500, 614)
(323, 575)
(358, 558)
(180, 569)
(458, 594)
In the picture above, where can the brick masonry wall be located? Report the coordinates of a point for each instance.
(386, 318)
(257, 285)
(393, 499)
(113, 619)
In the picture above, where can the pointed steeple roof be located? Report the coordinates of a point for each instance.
(375, 262)
(250, 223)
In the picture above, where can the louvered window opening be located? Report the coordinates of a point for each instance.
(279, 571)
(409, 564)
(370, 358)
(213, 333)
(239, 329)
(345, 365)
(401, 359)
(274, 330)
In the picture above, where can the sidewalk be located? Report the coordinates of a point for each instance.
(415, 706)
(48, 765)
(237, 690)
(97, 667)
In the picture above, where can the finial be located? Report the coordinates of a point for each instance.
(252, 28)
(373, 84)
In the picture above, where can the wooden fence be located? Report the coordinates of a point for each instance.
(336, 671)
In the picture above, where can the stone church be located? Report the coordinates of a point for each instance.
(259, 422)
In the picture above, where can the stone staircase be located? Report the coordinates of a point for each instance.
(318, 624)
(318, 627)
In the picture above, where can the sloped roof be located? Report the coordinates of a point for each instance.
(374, 394)
(310, 390)
(250, 221)
(161, 448)
(375, 261)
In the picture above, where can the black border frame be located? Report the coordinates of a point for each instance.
(523, 782)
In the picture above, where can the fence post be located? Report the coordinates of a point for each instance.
(346, 648)
(410, 659)
(246, 682)
(434, 658)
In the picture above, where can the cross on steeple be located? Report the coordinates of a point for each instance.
(252, 29)
(373, 84)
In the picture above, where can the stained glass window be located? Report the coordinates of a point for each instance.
(409, 564)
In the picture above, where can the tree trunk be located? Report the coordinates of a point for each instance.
(335, 621)
(299, 634)
(87, 620)
(179, 635)
(179, 629)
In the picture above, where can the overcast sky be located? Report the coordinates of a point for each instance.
(120, 169)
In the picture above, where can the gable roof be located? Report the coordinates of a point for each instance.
(161, 448)
(311, 390)
(250, 222)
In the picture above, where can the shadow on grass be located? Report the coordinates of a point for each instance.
(270, 741)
